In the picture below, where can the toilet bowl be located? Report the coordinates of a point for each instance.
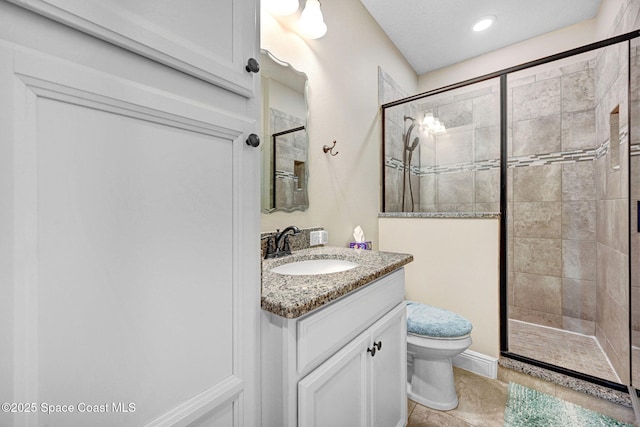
(434, 337)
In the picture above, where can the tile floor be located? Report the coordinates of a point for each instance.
(577, 352)
(482, 401)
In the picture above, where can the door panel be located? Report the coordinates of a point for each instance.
(336, 393)
(213, 44)
(128, 259)
(389, 369)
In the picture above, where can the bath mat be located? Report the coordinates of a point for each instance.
(527, 408)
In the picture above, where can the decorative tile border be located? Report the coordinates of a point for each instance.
(285, 175)
(572, 156)
(397, 164)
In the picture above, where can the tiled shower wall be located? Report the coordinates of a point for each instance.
(612, 192)
(460, 169)
(395, 126)
(457, 171)
(551, 196)
(627, 20)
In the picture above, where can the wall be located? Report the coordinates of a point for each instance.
(539, 47)
(455, 267)
(605, 24)
(612, 190)
(342, 66)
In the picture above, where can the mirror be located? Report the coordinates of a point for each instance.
(285, 172)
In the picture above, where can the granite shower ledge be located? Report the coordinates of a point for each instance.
(293, 296)
(481, 215)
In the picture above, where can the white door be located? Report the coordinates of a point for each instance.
(336, 393)
(389, 369)
(129, 273)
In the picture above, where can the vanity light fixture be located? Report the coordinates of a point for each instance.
(282, 7)
(484, 23)
(311, 23)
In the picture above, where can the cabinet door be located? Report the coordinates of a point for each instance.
(132, 215)
(337, 392)
(211, 40)
(389, 369)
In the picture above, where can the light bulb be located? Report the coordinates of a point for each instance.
(282, 7)
(311, 21)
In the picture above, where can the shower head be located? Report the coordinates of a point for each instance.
(414, 144)
(407, 136)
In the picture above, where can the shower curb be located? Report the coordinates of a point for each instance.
(576, 384)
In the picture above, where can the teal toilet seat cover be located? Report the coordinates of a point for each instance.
(430, 321)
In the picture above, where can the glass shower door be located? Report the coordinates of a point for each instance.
(567, 213)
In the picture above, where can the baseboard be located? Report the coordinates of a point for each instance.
(477, 363)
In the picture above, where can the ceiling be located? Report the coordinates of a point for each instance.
(432, 34)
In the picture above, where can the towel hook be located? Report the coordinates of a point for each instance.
(329, 150)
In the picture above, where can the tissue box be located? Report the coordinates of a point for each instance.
(360, 245)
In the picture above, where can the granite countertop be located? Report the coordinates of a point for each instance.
(293, 296)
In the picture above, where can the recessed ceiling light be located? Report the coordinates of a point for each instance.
(484, 23)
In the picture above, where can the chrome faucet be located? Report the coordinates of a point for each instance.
(278, 245)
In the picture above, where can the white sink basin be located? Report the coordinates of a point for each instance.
(314, 266)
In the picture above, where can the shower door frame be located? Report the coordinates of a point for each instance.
(502, 75)
(504, 317)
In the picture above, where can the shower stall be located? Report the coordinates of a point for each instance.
(568, 212)
(552, 146)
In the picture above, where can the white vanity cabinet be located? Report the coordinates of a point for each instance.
(343, 364)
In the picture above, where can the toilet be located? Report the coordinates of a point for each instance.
(434, 336)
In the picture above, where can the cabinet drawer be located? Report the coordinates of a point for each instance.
(322, 333)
